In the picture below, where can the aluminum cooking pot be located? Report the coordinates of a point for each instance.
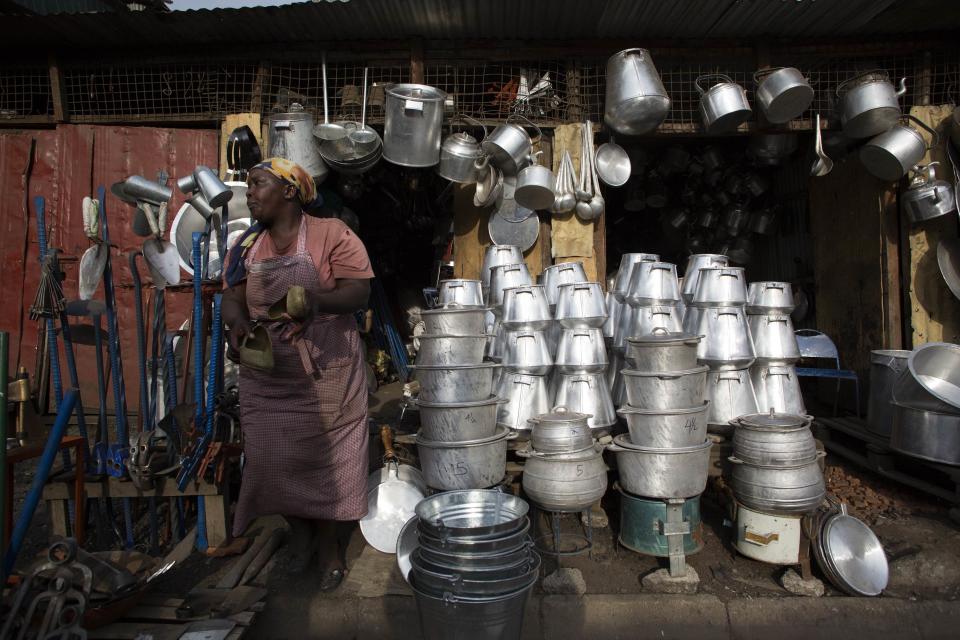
(663, 351)
(468, 293)
(561, 430)
(455, 383)
(773, 338)
(470, 464)
(869, 104)
(653, 283)
(695, 263)
(565, 483)
(727, 344)
(412, 125)
(782, 93)
(525, 397)
(461, 156)
(766, 297)
(581, 305)
(662, 473)
(526, 352)
(559, 274)
(795, 489)
(927, 197)
(628, 262)
(535, 187)
(588, 393)
(457, 421)
(495, 256)
(928, 435)
(663, 429)
(506, 276)
(777, 387)
(581, 351)
(510, 147)
(526, 307)
(891, 154)
(774, 439)
(451, 349)
(636, 101)
(724, 106)
(665, 390)
(638, 321)
(454, 319)
(721, 287)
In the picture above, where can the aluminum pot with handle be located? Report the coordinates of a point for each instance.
(663, 351)
(527, 352)
(495, 256)
(455, 383)
(795, 489)
(869, 104)
(628, 263)
(662, 473)
(890, 155)
(721, 287)
(643, 321)
(412, 125)
(774, 439)
(509, 146)
(773, 338)
(454, 319)
(666, 429)
(291, 137)
(653, 283)
(777, 387)
(526, 307)
(506, 276)
(525, 397)
(535, 187)
(461, 154)
(559, 274)
(564, 482)
(695, 263)
(470, 464)
(727, 344)
(468, 293)
(561, 430)
(666, 390)
(581, 351)
(782, 93)
(767, 297)
(581, 304)
(588, 393)
(724, 106)
(457, 421)
(636, 101)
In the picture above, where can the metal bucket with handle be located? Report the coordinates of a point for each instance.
(392, 495)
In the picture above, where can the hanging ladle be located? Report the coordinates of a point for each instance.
(823, 164)
(364, 135)
(328, 130)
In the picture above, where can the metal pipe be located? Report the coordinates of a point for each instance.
(39, 480)
(170, 369)
(198, 340)
(4, 373)
(141, 335)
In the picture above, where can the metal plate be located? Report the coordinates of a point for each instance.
(856, 555)
(407, 543)
(389, 506)
(507, 206)
(522, 234)
(948, 257)
(613, 165)
(189, 220)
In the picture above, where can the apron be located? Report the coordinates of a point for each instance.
(305, 433)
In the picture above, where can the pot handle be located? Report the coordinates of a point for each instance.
(735, 460)
(386, 436)
(660, 331)
(517, 116)
(614, 447)
(903, 86)
(468, 119)
(935, 137)
(759, 74)
(722, 77)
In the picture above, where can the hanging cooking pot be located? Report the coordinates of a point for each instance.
(636, 101)
(412, 125)
(291, 137)
(461, 157)
(724, 106)
(869, 104)
(782, 93)
(510, 146)
(534, 188)
(892, 153)
(927, 197)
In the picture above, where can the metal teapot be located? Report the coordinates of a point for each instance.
(461, 156)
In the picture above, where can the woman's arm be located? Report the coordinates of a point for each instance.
(235, 314)
(347, 296)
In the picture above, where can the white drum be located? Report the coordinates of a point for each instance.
(774, 539)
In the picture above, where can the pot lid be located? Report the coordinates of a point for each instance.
(464, 143)
(665, 338)
(774, 420)
(854, 556)
(561, 415)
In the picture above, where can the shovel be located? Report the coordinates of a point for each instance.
(160, 254)
(94, 259)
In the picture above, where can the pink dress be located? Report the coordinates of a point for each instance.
(305, 433)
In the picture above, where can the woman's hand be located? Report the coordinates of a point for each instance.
(295, 328)
(237, 332)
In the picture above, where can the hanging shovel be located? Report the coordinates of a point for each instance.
(94, 259)
(161, 255)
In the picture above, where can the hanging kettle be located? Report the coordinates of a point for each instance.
(461, 157)
(782, 93)
(510, 147)
(724, 106)
(927, 197)
(869, 104)
(892, 153)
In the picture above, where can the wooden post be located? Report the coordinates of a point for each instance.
(416, 62)
(256, 97)
(58, 90)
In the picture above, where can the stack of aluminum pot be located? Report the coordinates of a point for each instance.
(776, 480)
(472, 566)
(459, 442)
(620, 321)
(774, 373)
(717, 311)
(663, 460)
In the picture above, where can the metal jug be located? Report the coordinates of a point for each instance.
(291, 137)
(636, 100)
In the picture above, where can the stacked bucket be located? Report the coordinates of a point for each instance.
(716, 310)
(776, 481)
(663, 460)
(471, 564)
(774, 373)
(459, 443)
(625, 316)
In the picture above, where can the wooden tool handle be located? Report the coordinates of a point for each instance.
(386, 436)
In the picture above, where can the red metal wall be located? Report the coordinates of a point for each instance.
(70, 163)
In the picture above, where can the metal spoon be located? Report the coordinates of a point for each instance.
(568, 197)
(597, 203)
(328, 130)
(363, 135)
(823, 164)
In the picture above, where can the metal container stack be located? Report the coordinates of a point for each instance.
(663, 460)
(776, 480)
(469, 560)
(459, 443)
(774, 373)
(621, 319)
(716, 310)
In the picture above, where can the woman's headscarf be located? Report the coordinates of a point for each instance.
(289, 172)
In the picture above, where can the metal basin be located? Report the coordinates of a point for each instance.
(927, 435)
(455, 383)
(665, 390)
(526, 307)
(662, 429)
(524, 396)
(450, 350)
(773, 338)
(662, 473)
(453, 319)
(581, 351)
(474, 514)
(454, 422)
(526, 352)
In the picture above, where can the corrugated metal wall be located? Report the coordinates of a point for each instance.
(70, 162)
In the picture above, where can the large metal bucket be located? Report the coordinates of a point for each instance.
(886, 365)
(291, 137)
(412, 128)
(461, 618)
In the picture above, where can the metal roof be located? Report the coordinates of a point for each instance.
(157, 32)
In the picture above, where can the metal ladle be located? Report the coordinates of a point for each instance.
(823, 164)
(364, 135)
(597, 203)
(328, 130)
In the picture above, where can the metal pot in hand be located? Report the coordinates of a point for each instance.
(890, 155)
(777, 388)
(662, 350)
(412, 125)
(525, 397)
(581, 351)
(666, 429)
(461, 156)
(724, 106)
(782, 93)
(653, 283)
(559, 274)
(561, 430)
(773, 338)
(636, 101)
(869, 104)
(510, 146)
(581, 304)
(471, 464)
(665, 390)
(587, 393)
(565, 482)
(526, 307)
(662, 473)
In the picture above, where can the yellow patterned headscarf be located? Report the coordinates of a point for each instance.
(291, 173)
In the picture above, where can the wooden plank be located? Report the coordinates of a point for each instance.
(231, 122)
(416, 62)
(890, 278)
(58, 91)
(470, 237)
(218, 520)
(116, 488)
(59, 517)
(244, 618)
(934, 311)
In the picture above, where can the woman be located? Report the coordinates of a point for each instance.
(305, 421)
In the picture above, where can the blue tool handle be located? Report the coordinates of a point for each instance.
(141, 336)
(75, 383)
(197, 326)
(40, 477)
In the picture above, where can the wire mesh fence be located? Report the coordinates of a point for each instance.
(547, 91)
